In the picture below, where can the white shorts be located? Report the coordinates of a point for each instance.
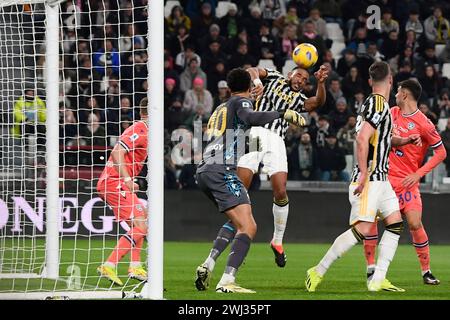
(377, 199)
(272, 154)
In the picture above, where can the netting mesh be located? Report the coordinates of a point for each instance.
(103, 76)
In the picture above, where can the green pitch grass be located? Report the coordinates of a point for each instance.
(345, 280)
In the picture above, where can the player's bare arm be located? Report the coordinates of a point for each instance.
(318, 100)
(362, 152)
(257, 74)
(414, 139)
(119, 162)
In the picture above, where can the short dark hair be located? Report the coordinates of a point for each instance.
(143, 106)
(412, 86)
(378, 71)
(238, 80)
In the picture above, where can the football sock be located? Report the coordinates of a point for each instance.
(239, 250)
(370, 246)
(135, 260)
(341, 245)
(420, 242)
(387, 247)
(224, 237)
(124, 245)
(280, 212)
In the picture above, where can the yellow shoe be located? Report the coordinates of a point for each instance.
(312, 279)
(232, 288)
(384, 285)
(137, 273)
(110, 274)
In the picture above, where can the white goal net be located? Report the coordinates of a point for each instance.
(65, 98)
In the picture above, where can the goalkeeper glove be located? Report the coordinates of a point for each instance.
(293, 117)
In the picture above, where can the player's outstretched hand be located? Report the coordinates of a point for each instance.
(257, 91)
(410, 180)
(322, 74)
(415, 139)
(293, 117)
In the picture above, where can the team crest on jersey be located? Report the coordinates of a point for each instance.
(139, 207)
(411, 125)
(134, 137)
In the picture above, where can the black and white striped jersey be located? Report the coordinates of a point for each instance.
(375, 110)
(278, 95)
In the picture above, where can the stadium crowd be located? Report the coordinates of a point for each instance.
(201, 48)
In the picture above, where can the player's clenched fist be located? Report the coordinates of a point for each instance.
(293, 117)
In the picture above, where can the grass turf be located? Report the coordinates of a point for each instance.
(345, 280)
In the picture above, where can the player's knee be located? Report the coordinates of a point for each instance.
(280, 195)
(142, 225)
(415, 225)
(249, 229)
(396, 228)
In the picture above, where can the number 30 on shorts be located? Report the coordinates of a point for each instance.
(404, 197)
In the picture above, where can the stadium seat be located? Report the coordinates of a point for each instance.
(349, 164)
(168, 7)
(222, 9)
(439, 49)
(442, 124)
(446, 70)
(336, 49)
(335, 32)
(288, 66)
(266, 63)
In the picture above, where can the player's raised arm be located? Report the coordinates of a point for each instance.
(259, 118)
(256, 75)
(318, 100)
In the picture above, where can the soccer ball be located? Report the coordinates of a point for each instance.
(305, 55)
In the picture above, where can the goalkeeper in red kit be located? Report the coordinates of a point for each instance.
(117, 188)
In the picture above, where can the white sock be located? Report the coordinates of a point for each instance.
(226, 279)
(135, 264)
(425, 271)
(341, 245)
(370, 268)
(280, 216)
(386, 251)
(210, 263)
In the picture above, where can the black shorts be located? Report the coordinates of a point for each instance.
(223, 188)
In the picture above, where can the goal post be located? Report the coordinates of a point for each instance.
(78, 69)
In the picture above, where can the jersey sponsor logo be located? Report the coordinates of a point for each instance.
(411, 125)
(134, 137)
(376, 118)
(399, 153)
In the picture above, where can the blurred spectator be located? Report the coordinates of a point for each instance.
(290, 18)
(321, 130)
(320, 24)
(437, 28)
(29, 115)
(170, 92)
(330, 9)
(223, 94)
(175, 115)
(178, 18)
(230, 23)
(272, 9)
(331, 160)
(129, 40)
(213, 35)
(430, 84)
(443, 105)
(425, 108)
(93, 134)
(352, 83)
(179, 42)
(183, 58)
(446, 140)
(197, 97)
(169, 72)
(288, 41)
(346, 62)
(404, 73)
(347, 134)
(212, 55)
(270, 47)
(198, 116)
(253, 23)
(216, 75)
(372, 51)
(241, 57)
(406, 57)
(444, 57)
(328, 58)
(310, 36)
(67, 124)
(339, 116)
(411, 41)
(190, 73)
(427, 58)
(302, 160)
(356, 102)
(414, 24)
(203, 21)
(387, 23)
(333, 94)
(391, 46)
(194, 8)
(360, 42)
(106, 57)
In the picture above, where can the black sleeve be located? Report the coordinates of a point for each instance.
(256, 118)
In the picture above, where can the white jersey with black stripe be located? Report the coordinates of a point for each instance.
(375, 110)
(278, 95)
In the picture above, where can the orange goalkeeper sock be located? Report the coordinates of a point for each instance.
(370, 245)
(136, 251)
(420, 242)
(124, 245)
